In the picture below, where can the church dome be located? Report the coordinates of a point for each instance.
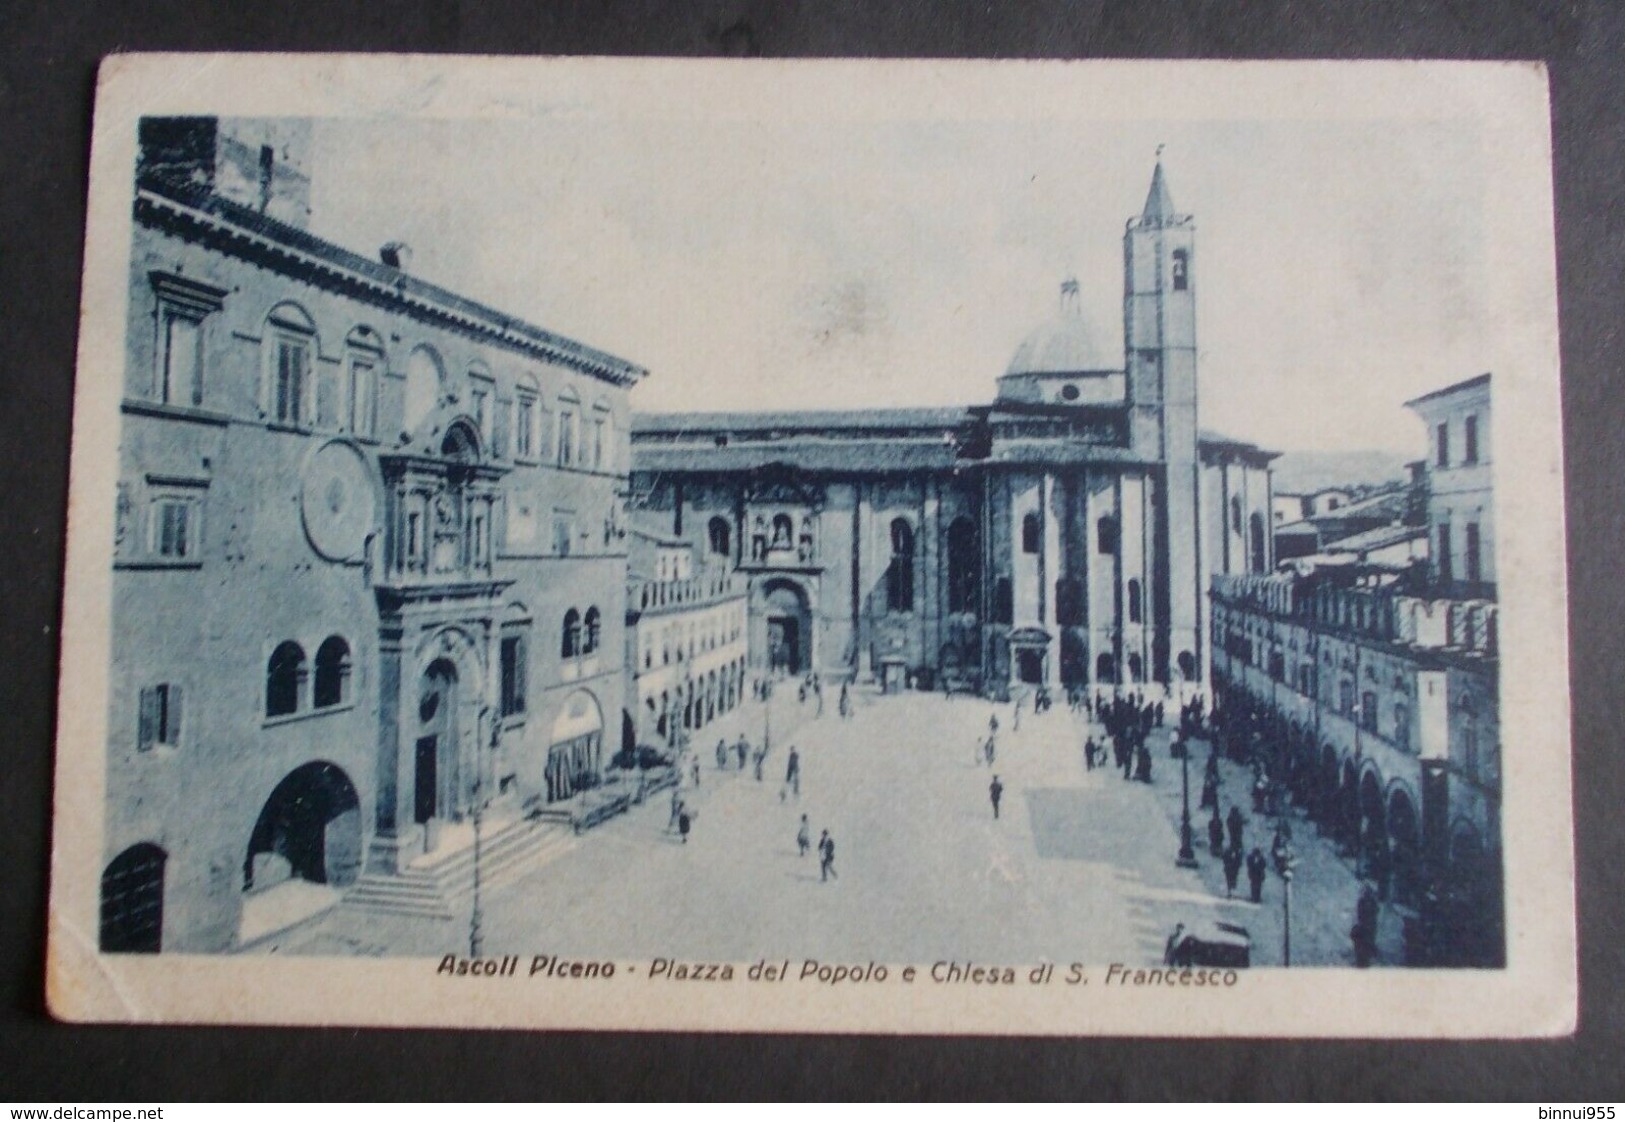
(1061, 345)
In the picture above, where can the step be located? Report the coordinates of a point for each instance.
(432, 891)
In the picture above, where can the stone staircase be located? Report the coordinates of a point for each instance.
(439, 887)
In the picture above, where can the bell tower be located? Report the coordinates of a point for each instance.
(1159, 326)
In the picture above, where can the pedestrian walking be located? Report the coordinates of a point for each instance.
(1234, 821)
(743, 748)
(761, 758)
(792, 772)
(826, 856)
(845, 703)
(1215, 833)
(684, 821)
(1232, 870)
(988, 751)
(803, 837)
(722, 754)
(1256, 867)
(1142, 769)
(993, 725)
(1364, 931)
(1210, 794)
(995, 791)
(1089, 754)
(676, 809)
(1015, 715)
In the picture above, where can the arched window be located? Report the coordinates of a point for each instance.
(1003, 601)
(1181, 271)
(1031, 530)
(284, 680)
(1106, 535)
(332, 672)
(571, 645)
(290, 356)
(1187, 666)
(721, 537)
(1136, 668)
(1260, 560)
(132, 911)
(783, 531)
(592, 635)
(364, 362)
(600, 451)
(525, 396)
(1136, 610)
(900, 575)
(1235, 515)
(569, 428)
(964, 566)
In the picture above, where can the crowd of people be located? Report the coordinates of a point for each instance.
(1120, 724)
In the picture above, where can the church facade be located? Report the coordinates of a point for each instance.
(1063, 535)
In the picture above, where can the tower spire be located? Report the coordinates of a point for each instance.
(1159, 205)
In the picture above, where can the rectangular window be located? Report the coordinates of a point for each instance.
(172, 535)
(363, 396)
(1368, 712)
(480, 406)
(160, 717)
(1469, 441)
(184, 305)
(1443, 566)
(292, 358)
(183, 359)
(1442, 440)
(567, 441)
(597, 442)
(523, 433)
(563, 531)
(513, 675)
(1471, 560)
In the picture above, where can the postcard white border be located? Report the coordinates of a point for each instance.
(1535, 995)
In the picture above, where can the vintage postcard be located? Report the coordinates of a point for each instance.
(853, 546)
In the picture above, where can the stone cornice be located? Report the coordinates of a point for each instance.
(338, 270)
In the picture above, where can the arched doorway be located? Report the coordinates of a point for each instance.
(309, 829)
(434, 757)
(1373, 829)
(1326, 789)
(1405, 844)
(132, 916)
(1348, 809)
(789, 628)
(575, 748)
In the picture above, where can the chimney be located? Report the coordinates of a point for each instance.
(397, 255)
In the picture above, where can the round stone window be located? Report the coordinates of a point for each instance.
(1069, 392)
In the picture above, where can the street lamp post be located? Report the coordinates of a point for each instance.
(476, 936)
(1284, 862)
(1187, 852)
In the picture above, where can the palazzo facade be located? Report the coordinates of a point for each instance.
(370, 567)
(1065, 534)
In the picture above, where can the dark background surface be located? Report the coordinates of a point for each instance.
(48, 56)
